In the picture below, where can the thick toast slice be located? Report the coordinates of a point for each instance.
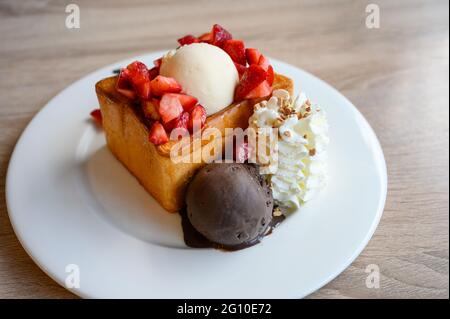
(127, 134)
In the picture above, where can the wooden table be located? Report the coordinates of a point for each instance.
(397, 75)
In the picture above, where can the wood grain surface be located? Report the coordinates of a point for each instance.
(397, 75)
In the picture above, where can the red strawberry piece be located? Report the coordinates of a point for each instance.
(143, 89)
(150, 109)
(124, 85)
(187, 101)
(170, 107)
(264, 62)
(138, 72)
(240, 68)
(158, 134)
(188, 39)
(162, 84)
(157, 62)
(180, 122)
(236, 50)
(97, 116)
(262, 90)
(270, 75)
(253, 76)
(153, 72)
(140, 78)
(198, 117)
(206, 37)
(252, 56)
(219, 35)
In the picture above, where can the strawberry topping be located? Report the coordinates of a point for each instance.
(236, 50)
(153, 72)
(252, 56)
(240, 68)
(188, 39)
(162, 84)
(124, 85)
(206, 37)
(270, 75)
(188, 102)
(180, 122)
(253, 76)
(264, 62)
(198, 117)
(97, 116)
(219, 35)
(158, 134)
(157, 63)
(262, 90)
(170, 107)
(140, 78)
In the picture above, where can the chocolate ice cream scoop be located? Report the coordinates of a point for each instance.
(230, 204)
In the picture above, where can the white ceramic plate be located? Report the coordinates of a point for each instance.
(71, 202)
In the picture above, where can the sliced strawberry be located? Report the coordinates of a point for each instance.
(270, 75)
(264, 62)
(180, 122)
(188, 102)
(140, 78)
(170, 107)
(219, 35)
(252, 56)
(150, 109)
(143, 90)
(124, 85)
(157, 62)
(240, 68)
(138, 72)
(198, 117)
(153, 72)
(162, 84)
(252, 77)
(236, 50)
(158, 134)
(188, 39)
(206, 37)
(97, 116)
(262, 90)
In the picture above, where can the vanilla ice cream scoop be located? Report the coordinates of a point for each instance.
(205, 72)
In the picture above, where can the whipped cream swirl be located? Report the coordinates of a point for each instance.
(296, 168)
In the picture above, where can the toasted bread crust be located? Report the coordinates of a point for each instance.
(127, 138)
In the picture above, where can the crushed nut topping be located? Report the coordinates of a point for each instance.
(277, 212)
(278, 122)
